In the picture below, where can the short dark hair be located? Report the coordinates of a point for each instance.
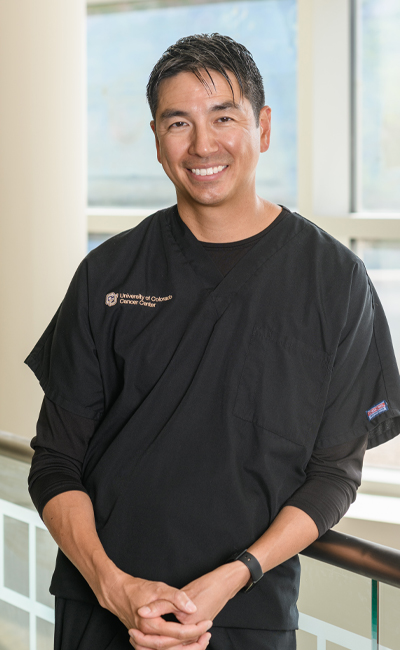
(209, 52)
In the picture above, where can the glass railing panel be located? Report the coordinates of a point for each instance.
(16, 555)
(46, 551)
(14, 627)
(306, 640)
(45, 635)
(27, 554)
(389, 617)
(335, 608)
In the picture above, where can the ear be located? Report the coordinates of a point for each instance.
(153, 128)
(265, 128)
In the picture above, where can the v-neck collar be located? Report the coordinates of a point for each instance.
(224, 288)
(194, 252)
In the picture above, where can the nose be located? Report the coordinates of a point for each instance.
(203, 142)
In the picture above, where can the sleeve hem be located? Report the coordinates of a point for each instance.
(387, 428)
(312, 512)
(40, 499)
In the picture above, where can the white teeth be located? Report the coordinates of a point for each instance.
(209, 171)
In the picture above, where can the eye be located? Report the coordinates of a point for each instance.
(224, 119)
(177, 125)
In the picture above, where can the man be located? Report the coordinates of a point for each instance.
(211, 382)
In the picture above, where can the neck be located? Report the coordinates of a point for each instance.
(222, 224)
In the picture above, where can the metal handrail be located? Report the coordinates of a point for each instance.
(15, 446)
(374, 561)
(368, 559)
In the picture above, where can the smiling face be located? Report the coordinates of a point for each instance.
(207, 143)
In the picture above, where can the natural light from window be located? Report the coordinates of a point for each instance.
(123, 46)
(379, 111)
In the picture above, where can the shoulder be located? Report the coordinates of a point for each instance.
(330, 256)
(329, 274)
(121, 255)
(128, 242)
(322, 240)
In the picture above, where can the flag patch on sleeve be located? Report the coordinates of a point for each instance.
(376, 410)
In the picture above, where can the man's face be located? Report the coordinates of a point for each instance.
(208, 144)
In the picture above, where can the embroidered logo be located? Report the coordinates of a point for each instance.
(111, 299)
(376, 410)
(135, 299)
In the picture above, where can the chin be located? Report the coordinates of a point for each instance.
(205, 198)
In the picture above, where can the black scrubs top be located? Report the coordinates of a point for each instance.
(211, 394)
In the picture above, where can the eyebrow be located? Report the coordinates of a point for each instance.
(172, 112)
(225, 106)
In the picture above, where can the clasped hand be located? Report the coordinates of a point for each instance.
(195, 607)
(140, 605)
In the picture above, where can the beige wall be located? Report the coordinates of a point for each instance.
(42, 183)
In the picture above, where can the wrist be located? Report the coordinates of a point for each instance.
(236, 576)
(107, 577)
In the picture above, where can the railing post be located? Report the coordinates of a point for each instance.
(32, 586)
(374, 615)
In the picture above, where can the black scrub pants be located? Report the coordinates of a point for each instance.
(80, 626)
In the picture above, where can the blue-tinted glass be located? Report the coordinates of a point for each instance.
(380, 104)
(123, 46)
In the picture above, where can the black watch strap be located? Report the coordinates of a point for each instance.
(253, 565)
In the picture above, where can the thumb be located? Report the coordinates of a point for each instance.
(157, 608)
(178, 601)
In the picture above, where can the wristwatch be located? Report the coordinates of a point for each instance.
(253, 565)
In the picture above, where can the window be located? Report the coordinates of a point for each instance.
(125, 41)
(378, 105)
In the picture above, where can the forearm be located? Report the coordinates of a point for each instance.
(290, 532)
(70, 519)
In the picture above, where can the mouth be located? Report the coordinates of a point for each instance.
(208, 173)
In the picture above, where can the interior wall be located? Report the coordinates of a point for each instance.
(42, 177)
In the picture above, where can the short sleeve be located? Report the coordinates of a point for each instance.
(65, 359)
(364, 391)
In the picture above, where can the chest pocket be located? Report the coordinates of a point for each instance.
(283, 386)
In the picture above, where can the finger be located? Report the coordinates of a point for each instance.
(175, 630)
(145, 641)
(200, 644)
(178, 599)
(183, 602)
(156, 641)
(158, 608)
